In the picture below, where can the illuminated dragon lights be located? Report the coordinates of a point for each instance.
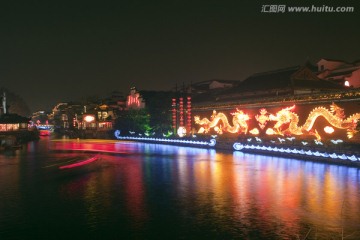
(263, 118)
(285, 122)
(335, 117)
(221, 124)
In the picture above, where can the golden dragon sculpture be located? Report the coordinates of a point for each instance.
(286, 122)
(335, 116)
(221, 124)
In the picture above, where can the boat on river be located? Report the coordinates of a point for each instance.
(80, 163)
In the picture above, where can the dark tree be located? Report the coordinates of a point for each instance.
(15, 103)
(133, 120)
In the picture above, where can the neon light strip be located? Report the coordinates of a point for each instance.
(239, 146)
(211, 143)
(79, 163)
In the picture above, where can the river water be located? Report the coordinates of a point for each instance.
(150, 191)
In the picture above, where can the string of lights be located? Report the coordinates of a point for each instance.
(294, 151)
(210, 143)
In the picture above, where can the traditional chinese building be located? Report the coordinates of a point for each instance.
(340, 72)
(134, 100)
(13, 122)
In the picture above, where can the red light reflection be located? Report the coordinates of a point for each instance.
(87, 161)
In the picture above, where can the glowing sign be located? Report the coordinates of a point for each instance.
(133, 100)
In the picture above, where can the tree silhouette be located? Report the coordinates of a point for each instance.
(15, 103)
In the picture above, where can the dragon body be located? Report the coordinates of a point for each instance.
(239, 122)
(335, 117)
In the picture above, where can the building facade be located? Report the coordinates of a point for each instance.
(340, 72)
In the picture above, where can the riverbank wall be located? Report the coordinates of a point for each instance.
(334, 152)
(328, 152)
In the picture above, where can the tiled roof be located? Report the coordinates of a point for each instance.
(321, 84)
(335, 74)
(282, 80)
(333, 60)
(275, 79)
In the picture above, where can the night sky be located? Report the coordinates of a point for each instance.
(54, 51)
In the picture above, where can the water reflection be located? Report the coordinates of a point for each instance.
(151, 191)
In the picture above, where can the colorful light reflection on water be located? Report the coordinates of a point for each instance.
(150, 191)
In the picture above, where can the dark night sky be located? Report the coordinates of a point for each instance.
(53, 51)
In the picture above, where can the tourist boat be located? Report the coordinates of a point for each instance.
(45, 130)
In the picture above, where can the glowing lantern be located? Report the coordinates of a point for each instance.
(181, 131)
(188, 112)
(328, 129)
(174, 114)
(270, 131)
(89, 118)
(254, 131)
(181, 109)
(346, 84)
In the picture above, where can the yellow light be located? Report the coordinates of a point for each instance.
(89, 118)
(181, 131)
(254, 131)
(329, 129)
(270, 131)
